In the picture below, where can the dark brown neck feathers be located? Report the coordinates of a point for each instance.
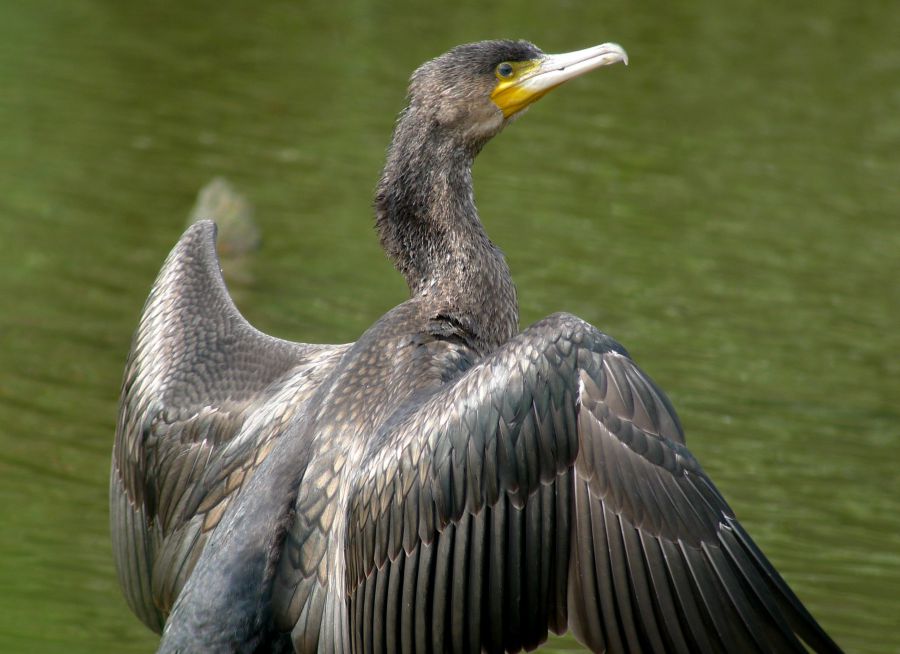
(429, 227)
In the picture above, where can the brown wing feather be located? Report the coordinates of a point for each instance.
(550, 487)
(186, 439)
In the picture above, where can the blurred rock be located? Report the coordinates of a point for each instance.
(232, 212)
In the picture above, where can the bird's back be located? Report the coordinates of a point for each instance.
(405, 358)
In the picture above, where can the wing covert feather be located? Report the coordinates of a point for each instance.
(186, 437)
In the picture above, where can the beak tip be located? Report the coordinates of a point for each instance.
(620, 51)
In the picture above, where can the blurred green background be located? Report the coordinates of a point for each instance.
(727, 207)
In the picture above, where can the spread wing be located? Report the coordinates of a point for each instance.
(550, 487)
(202, 397)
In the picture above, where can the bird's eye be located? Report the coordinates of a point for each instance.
(504, 70)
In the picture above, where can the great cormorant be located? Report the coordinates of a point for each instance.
(445, 483)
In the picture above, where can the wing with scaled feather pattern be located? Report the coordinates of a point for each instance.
(203, 397)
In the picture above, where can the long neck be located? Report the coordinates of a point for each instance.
(429, 227)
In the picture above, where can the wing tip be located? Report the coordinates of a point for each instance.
(204, 226)
(193, 265)
(200, 235)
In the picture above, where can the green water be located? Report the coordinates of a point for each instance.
(728, 207)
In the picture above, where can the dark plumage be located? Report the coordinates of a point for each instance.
(445, 483)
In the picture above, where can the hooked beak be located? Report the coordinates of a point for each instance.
(539, 77)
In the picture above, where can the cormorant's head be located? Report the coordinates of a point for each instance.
(478, 87)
